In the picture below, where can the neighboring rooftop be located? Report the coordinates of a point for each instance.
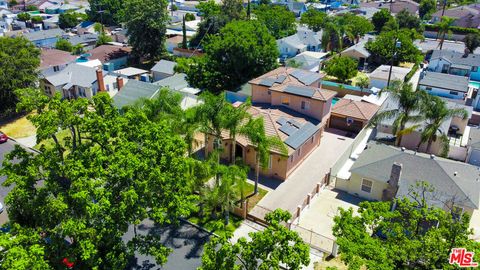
(287, 75)
(134, 90)
(178, 82)
(398, 73)
(449, 178)
(429, 44)
(131, 71)
(445, 81)
(44, 34)
(105, 53)
(302, 39)
(74, 74)
(358, 48)
(54, 57)
(457, 57)
(355, 109)
(474, 138)
(164, 66)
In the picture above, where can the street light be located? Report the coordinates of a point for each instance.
(398, 44)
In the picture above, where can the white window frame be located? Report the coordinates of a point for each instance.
(270, 161)
(288, 101)
(305, 105)
(361, 185)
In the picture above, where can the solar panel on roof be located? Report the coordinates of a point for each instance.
(297, 73)
(298, 138)
(295, 123)
(267, 82)
(288, 129)
(300, 91)
(309, 79)
(282, 121)
(280, 79)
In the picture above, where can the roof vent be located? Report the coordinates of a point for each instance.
(432, 156)
(403, 149)
(455, 173)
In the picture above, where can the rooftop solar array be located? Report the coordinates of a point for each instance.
(267, 82)
(300, 91)
(288, 129)
(295, 123)
(280, 79)
(298, 138)
(305, 77)
(282, 121)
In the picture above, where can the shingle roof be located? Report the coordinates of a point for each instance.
(360, 48)
(75, 74)
(457, 57)
(164, 66)
(54, 57)
(302, 38)
(82, 39)
(449, 178)
(44, 34)
(105, 53)
(457, 12)
(355, 109)
(398, 73)
(134, 90)
(445, 81)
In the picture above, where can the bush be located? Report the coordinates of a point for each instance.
(342, 67)
(37, 19)
(454, 29)
(189, 17)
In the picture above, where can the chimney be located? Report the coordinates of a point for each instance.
(392, 188)
(119, 83)
(100, 82)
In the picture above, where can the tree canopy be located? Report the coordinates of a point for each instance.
(64, 45)
(77, 198)
(266, 250)
(406, 234)
(105, 11)
(70, 19)
(19, 60)
(279, 21)
(426, 8)
(342, 67)
(472, 42)
(409, 21)
(241, 51)
(146, 22)
(314, 19)
(380, 18)
(384, 46)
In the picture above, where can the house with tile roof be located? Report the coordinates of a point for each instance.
(116, 55)
(384, 172)
(455, 63)
(294, 109)
(351, 115)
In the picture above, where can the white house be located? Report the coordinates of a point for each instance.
(444, 85)
(304, 40)
(379, 77)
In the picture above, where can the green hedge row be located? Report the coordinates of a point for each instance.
(455, 29)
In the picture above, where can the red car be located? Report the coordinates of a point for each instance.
(3, 137)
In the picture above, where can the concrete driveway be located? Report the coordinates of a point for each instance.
(289, 194)
(318, 217)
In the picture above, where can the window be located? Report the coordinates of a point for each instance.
(285, 101)
(81, 92)
(367, 185)
(108, 87)
(299, 151)
(474, 69)
(305, 105)
(454, 93)
(270, 162)
(47, 90)
(291, 158)
(269, 92)
(313, 138)
(115, 85)
(56, 68)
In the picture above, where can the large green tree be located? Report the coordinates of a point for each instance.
(444, 30)
(472, 42)
(426, 8)
(146, 22)
(268, 249)
(64, 45)
(105, 11)
(19, 61)
(383, 47)
(355, 26)
(70, 19)
(241, 51)
(342, 67)
(82, 193)
(279, 21)
(409, 21)
(314, 19)
(409, 234)
(380, 18)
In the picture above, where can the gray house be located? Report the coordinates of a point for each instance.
(304, 40)
(162, 70)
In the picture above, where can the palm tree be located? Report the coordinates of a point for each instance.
(166, 105)
(444, 28)
(436, 113)
(188, 126)
(233, 119)
(332, 37)
(231, 188)
(254, 130)
(407, 111)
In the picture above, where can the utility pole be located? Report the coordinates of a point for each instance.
(396, 45)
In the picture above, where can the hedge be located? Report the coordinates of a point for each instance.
(454, 29)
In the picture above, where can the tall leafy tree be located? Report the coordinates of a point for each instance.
(279, 21)
(81, 194)
(332, 37)
(241, 51)
(383, 47)
(314, 19)
(407, 112)
(105, 11)
(70, 19)
(233, 9)
(380, 18)
(342, 67)
(254, 130)
(472, 42)
(146, 22)
(426, 8)
(409, 21)
(355, 26)
(19, 61)
(436, 113)
(410, 235)
(444, 28)
(268, 249)
(208, 8)
(184, 34)
(64, 45)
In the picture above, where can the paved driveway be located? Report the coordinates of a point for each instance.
(5, 148)
(289, 194)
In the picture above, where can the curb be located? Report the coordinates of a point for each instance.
(198, 227)
(24, 146)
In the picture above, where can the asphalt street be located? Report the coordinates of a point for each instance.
(5, 148)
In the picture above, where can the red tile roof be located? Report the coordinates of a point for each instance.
(355, 109)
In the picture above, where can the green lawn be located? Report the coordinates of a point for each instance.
(355, 79)
(19, 128)
(49, 143)
(252, 201)
(217, 225)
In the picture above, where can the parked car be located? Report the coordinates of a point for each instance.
(1, 207)
(3, 137)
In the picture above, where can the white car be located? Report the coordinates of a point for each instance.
(1, 207)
